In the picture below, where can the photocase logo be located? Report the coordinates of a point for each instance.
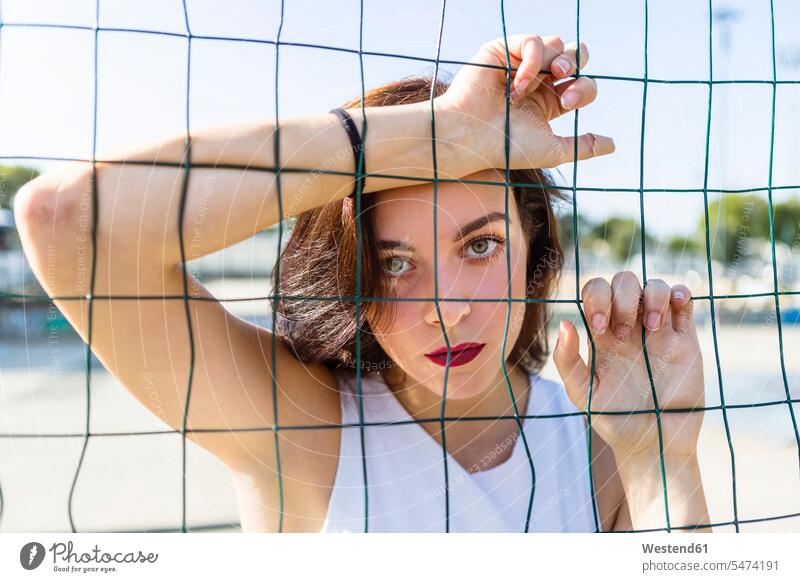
(67, 558)
(31, 555)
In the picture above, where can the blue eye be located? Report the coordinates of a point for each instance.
(481, 247)
(396, 266)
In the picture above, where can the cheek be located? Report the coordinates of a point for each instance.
(395, 336)
(493, 282)
(519, 291)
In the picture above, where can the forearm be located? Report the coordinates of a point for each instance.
(644, 493)
(223, 206)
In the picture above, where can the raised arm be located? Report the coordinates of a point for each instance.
(145, 344)
(235, 204)
(316, 155)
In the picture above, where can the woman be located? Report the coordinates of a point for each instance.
(499, 478)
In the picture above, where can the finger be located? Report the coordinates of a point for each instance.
(626, 292)
(553, 48)
(528, 75)
(589, 145)
(566, 63)
(596, 297)
(575, 94)
(682, 309)
(571, 367)
(656, 304)
(530, 49)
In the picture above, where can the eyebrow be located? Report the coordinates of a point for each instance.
(479, 223)
(396, 244)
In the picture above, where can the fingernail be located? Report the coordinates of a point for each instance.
(520, 89)
(599, 322)
(622, 331)
(678, 295)
(569, 99)
(653, 320)
(562, 65)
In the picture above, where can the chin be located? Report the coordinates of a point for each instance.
(462, 382)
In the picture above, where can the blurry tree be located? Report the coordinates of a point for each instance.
(786, 221)
(683, 245)
(11, 179)
(735, 221)
(622, 235)
(566, 227)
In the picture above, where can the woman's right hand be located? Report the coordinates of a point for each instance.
(480, 94)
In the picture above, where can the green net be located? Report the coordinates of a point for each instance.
(87, 435)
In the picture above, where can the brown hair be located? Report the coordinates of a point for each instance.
(319, 261)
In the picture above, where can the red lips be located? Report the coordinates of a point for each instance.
(459, 355)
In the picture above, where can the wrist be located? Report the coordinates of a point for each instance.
(647, 469)
(460, 138)
(644, 485)
(399, 141)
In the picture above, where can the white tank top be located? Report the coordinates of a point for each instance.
(405, 470)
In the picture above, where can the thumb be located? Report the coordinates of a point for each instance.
(571, 367)
(590, 145)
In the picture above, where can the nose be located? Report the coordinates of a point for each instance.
(454, 305)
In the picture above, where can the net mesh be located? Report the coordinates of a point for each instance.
(711, 298)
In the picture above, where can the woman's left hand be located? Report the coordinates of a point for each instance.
(617, 312)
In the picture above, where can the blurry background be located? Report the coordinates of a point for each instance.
(46, 117)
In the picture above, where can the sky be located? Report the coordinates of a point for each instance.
(46, 80)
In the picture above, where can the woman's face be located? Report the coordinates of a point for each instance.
(472, 253)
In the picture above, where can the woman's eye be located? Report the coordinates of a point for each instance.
(481, 247)
(396, 266)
